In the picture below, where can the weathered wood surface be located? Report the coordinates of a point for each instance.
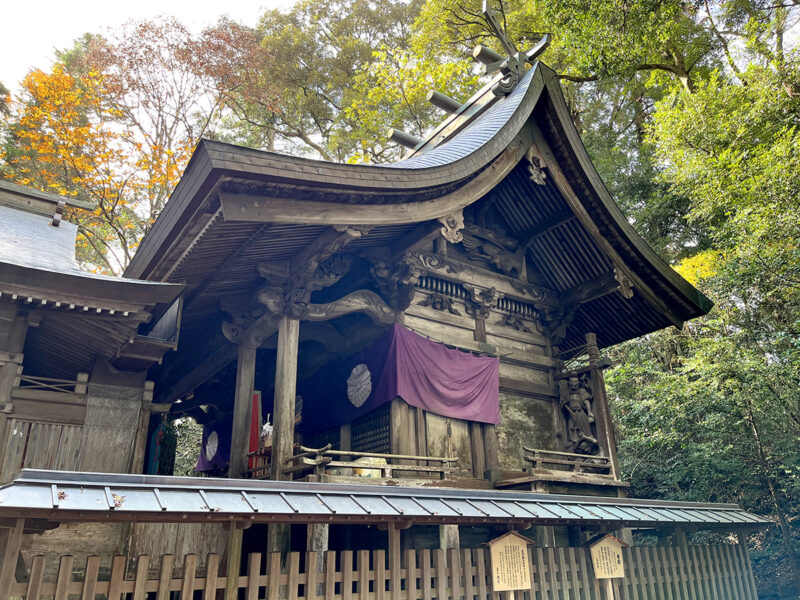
(651, 573)
(35, 445)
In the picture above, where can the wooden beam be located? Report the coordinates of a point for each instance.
(364, 301)
(255, 208)
(604, 424)
(550, 223)
(199, 374)
(589, 290)
(242, 410)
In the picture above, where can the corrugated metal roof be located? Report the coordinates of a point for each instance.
(65, 496)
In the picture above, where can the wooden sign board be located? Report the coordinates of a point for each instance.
(511, 564)
(607, 557)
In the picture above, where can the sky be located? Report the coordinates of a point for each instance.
(32, 29)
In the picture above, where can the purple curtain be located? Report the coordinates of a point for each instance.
(403, 364)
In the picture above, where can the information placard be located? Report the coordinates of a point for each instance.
(607, 557)
(511, 565)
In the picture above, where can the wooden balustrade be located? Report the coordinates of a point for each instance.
(678, 573)
(320, 460)
(583, 464)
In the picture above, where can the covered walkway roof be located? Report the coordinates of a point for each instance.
(67, 496)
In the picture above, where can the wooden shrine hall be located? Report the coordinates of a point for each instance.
(424, 342)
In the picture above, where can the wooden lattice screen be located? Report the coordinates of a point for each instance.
(652, 573)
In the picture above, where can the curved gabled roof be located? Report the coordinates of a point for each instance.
(268, 205)
(84, 315)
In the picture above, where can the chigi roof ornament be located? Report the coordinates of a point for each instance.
(512, 66)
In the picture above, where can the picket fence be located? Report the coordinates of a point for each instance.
(651, 573)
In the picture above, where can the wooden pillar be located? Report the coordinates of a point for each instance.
(279, 535)
(449, 537)
(242, 410)
(234, 561)
(10, 540)
(490, 448)
(605, 428)
(478, 451)
(285, 392)
(399, 418)
(394, 560)
(140, 442)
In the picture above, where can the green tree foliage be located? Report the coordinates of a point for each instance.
(318, 48)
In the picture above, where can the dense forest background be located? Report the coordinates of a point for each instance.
(690, 109)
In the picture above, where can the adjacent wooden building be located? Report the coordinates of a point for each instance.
(426, 336)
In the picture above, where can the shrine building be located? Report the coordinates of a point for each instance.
(424, 341)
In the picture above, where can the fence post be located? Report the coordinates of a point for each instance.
(11, 538)
(234, 561)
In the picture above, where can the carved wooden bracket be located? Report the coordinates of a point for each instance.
(479, 302)
(452, 225)
(396, 282)
(364, 301)
(251, 334)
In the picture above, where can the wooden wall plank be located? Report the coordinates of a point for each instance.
(380, 574)
(412, 573)
(253, 572)
(293, 567)
(543, 576)
(274, 576)
(711, 573)
(481, 559)
(347, 574)
(582, 554)
(90, 577)
(118, 565)
(427, 574)
(35, 578)
(140, 579)
(189, 575)
(363, 578)
(212, 575)
(64, 577)
(330, 576)
(312, 575)
(748, 567)
(572, 569)
(469, 574)
(440, 564)
(454, 564)
(165, 577)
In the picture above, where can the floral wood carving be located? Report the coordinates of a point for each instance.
(440, 302)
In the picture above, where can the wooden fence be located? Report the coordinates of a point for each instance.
(652, 573)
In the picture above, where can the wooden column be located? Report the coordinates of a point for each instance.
(605, 428)
(285, 392)
(234, 560)
(242, 410)
(140, 442)
(490, 448)
(478, 451)
(278, 535)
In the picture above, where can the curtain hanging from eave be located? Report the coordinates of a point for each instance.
(403, 364)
